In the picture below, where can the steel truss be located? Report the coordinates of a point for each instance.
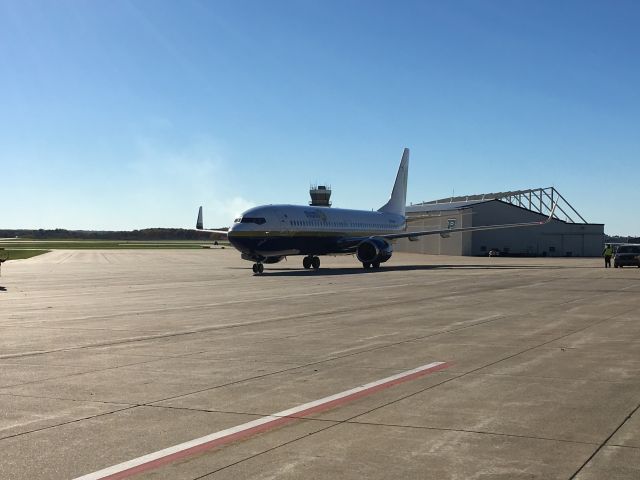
(539, 200)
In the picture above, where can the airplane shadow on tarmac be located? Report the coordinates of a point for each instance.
(299, 272)
(3, 289)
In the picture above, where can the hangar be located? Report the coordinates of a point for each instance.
(567, 235)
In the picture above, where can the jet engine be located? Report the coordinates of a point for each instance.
(273, 259)
(374, 250)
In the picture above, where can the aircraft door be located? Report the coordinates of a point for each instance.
(285, 222)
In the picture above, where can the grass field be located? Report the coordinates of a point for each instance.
(10, 254)
(101, 244)
(19, 249)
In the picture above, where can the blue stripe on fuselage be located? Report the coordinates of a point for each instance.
(300, 244)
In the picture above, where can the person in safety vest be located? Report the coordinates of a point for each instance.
(607, 253)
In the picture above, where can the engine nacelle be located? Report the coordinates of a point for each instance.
(374, 250)
(273, 259)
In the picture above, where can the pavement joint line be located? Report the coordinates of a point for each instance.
(75, 420)
(82, 329)
(5, 361)
(604, 442)
(223, 437)
(160, 400)
(76, 374)
(620, 446)
(268, 450)
(564, 379)
(462, 430)
(80, 400)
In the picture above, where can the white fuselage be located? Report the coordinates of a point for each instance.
(276, 230)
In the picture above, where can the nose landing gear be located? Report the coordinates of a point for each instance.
(258, 268)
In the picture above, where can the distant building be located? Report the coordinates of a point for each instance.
(567, 235)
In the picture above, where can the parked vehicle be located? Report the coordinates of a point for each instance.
(627, 255)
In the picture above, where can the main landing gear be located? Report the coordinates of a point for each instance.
(368, 265)
(311, 262)
(258, 268)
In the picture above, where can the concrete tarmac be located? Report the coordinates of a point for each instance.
(106, 356)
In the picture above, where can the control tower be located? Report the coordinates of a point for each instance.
(320, 195)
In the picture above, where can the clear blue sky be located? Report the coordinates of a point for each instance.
(131, 114)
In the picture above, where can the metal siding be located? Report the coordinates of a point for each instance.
(435, 244)
(556, 238)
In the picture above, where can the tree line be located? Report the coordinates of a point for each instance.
(144, 234)
(620, 239)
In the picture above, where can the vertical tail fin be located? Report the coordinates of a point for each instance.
(398, 200)
(199, 221)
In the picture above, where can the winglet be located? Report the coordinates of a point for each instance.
(199, 221)
(398, 200)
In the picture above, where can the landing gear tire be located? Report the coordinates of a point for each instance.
(258, 268)
(315, 263)
(306, 262)
(375, 264)
(366, 265)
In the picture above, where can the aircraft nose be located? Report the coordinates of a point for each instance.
(237, 227)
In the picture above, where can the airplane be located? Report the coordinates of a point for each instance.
(269, 233)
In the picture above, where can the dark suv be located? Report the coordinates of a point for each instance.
(627, 255)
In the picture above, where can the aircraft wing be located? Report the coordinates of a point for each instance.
(221, 232)
(446, 231)
(416, 218)
(352, 242)
(199, 225)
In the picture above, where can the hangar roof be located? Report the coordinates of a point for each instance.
(539, 200)
(442, 207)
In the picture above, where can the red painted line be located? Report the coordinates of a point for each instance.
(200, 448)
